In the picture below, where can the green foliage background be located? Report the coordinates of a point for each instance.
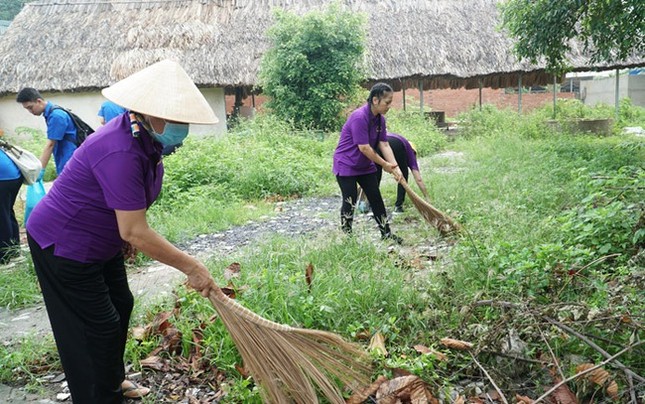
(313, 69)
(609, 30)
(10, 8)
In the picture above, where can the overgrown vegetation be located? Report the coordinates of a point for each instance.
(608, 30)
(555, 234)
(10, 8)
(314, 66)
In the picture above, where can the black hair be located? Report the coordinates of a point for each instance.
(28, 94)
(378, 90)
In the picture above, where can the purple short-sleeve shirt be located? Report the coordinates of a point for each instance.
(409, 152)
(362, 127)
(111, 170)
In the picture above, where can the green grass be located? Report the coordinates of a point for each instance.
(550, 219)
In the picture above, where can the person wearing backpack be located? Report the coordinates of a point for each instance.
(10, 182)
(61, 131)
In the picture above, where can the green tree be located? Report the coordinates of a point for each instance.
(10, 8)
(313, 67)
(610, 30)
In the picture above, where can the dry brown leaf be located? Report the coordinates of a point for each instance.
(172, 341)
(456, 344)
(361, 395)
(232, 271)
(153, 362)
(523, 399)
(563, 395)
(160, 322)
(139, 333)
(363, 335)
(612, 390)
(378, 343)
(406, 389)
(459, 400)
(598, 376)
(399, 372)
(242, 370)
(425, 350)
(229, 290)
(309, 274)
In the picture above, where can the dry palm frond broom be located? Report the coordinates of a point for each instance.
(292, 364)
(432, 215)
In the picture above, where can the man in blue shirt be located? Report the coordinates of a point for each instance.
(108, 111)
(61, 132)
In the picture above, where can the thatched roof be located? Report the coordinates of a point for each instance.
(76, 45)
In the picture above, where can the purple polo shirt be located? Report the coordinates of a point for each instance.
(409, 152)
(362, 127)
(111, 170)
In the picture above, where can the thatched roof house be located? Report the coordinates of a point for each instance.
(76, 45)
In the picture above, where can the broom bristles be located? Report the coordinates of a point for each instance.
(432, 215)
(292, 364)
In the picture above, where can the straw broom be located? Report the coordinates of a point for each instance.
(292, 364)
(432, 215)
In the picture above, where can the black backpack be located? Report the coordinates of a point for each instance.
(83, 130)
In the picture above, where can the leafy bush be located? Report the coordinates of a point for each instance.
(259, 158)
(605, 221)
(314, 65)
(486, 121)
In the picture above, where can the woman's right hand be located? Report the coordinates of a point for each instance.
(394, 170)
(201, 280)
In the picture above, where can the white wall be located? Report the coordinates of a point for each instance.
(637, 89)
(86, 105)
(603, 90)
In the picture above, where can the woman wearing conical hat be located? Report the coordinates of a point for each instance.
(76, 233)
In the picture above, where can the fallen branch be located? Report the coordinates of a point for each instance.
(555, 360)
(595, 346)
(554, 388)
(501, 395)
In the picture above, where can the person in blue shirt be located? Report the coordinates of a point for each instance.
(10, 182)
(61, 132)
(108, 111)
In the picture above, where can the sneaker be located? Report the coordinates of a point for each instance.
(392, 237)
(398, 210)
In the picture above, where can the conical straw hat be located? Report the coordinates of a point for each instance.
(162, 90)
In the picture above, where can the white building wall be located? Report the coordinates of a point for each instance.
(86, 105)
(597, 91)
(637, 89)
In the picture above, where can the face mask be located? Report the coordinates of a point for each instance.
(173, 133)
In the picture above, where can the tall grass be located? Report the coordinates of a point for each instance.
(536, 206)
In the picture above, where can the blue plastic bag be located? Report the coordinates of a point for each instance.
(35, 192)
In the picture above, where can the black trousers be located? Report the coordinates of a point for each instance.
(349, 191)
(401, 157)
(89, 307)
(9, 229)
